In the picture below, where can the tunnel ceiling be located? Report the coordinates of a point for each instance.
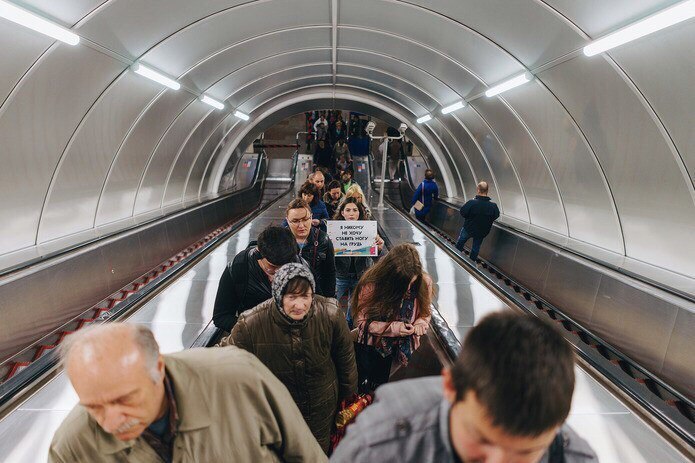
(596, 154)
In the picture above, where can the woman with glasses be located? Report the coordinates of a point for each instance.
(314, 246)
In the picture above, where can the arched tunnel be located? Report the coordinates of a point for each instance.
(592, 161)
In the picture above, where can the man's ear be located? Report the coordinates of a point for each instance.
(449, 389)
(160, 365)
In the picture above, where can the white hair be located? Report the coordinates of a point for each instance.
(99, 334)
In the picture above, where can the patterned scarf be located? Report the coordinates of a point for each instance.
(401, 347)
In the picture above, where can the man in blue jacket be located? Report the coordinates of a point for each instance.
(479, 213)
(427, 192)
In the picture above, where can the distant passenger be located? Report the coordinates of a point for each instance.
(320, 120)
(304, 340)
(478, 214)
(245, 282)
(426, 193)
(319, 214)
(341, 152)
(391, 305)
(323, 156)
(349, 270)
(314, 246)
(505, 399)
(333, 197)
(319, 180)
(199, 405)
(346, 179)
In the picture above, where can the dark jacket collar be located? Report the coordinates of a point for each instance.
(483, 198)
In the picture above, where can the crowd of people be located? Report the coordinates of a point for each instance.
(305, 331)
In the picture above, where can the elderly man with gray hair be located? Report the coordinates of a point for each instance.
(196, 405)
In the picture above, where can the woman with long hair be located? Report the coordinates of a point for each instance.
(355, 191)
(319, 214)
(349, 270)
(391, 306)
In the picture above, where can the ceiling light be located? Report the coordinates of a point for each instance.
(157, 77)
(453, 107)
(424, 118)
(668, 17)
(241, 115)
(25, 18)
(509, 84)
(212, 102)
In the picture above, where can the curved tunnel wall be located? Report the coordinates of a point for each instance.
(596, 154)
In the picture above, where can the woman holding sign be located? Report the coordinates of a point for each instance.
(349, 270)
(391, 309)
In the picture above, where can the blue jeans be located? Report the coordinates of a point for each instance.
(345, 286)
(475, 249)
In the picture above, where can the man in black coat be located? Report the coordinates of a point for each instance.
(246, 281)
(479, 214)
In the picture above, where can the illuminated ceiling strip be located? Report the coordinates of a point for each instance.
(242, 116)
(156, 76)
(212, 102)
(665, 18)
(424, 118)
(453, 107)
(25, 18)
(509, 84)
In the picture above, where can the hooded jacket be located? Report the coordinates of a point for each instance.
(314, 358)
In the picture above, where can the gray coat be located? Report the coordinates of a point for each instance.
(409, 422)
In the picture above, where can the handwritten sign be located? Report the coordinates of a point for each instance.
(353, 237)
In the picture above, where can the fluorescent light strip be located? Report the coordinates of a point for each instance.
(157, 77)
(212, 102)
(668, 17)
(25, 18)
(453, 107)
(509, 84)
(241, 115)
(424, 118)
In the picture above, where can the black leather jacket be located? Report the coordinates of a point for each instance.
(318, 253)
(362, 264)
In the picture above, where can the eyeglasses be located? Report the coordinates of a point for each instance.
(298, 221)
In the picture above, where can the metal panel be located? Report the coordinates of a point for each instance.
(178, 173)
(422, 77)
(16, 59)
(151, 190)
(85, 163)
(126, 172)
(116, 27)
(531, 264)
(638, 323)
(205, 38)
(585, 192)
(34, 128)
(508, 187)
(499, 247)
(645, 176)
(540, 190)
(597, 17)
(212, 146)
(572, 288)
(669, 93)
(514, 26)
(273, 92)
(241, 92)
(67, 13)
(678, 364)
(277, 50)
(418, 104)
(445, 68)
(485, 58)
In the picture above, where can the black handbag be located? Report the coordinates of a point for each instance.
(372, 369)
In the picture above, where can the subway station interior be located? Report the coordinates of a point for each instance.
(144, 143)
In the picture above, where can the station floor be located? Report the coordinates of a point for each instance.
(181, 311)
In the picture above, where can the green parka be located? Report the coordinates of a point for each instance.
(314, 358)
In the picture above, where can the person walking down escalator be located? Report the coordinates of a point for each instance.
(319, 213)
(478, 214)
(349, 270)
(425, 194)
(303, 339)
(391, 311)
(323, 156)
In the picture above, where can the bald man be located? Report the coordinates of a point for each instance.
(478, 215)
(197, 405)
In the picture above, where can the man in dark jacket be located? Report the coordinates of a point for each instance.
(505, 398)
(315, 246)
(479, 213)
(245, 282)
